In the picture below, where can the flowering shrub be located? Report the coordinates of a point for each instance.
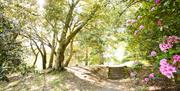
(169, 64)
(169, 68)
(153, 21)
(169, 59)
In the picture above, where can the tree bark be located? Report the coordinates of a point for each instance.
(70, 56)
(60, 57)
(52, 51)
(35, 60)
(44, 56)
(36, 54)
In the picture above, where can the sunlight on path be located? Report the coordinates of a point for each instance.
(114, 85)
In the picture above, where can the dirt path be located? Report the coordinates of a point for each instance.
(77, 79)
(104, 84)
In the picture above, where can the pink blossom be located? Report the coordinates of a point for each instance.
(167, 69)
(136, 32)
(141, 27)
(133, 21)
(164, 47)
(159, 23)
(146, 79)
(157, 2)
(152, 9)
(128, 21)
(163, 62)
(153, 53)
(169, 75)
(139, 17)
(171, 69)
(172, 39)
(151, 75)
(176, 58)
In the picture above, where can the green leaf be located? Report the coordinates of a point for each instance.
(1, 30)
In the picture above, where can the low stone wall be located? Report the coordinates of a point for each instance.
(118, 72)
(110, 72)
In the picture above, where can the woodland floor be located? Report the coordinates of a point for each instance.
(76, 80)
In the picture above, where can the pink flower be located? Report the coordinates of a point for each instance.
(128, 21)
(152, 9)
(164, 47)
(151, 75)
(157, 2)
(159, 23)
(176, 58)
(136, 32)
(153, 53)
(146, 79)
(172, 39)
(141, 27)
(171, 69)
(166, 69)
(139, 17)
(163, 62)
(169, 75)
(133, 21)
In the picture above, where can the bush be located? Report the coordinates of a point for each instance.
(10, 48)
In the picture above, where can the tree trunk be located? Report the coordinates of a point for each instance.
(52, 51)
(51, 58)
(44, 57)
(35, 60)
(70, 56)
(43, 53)
(60, 57)
(36, 54)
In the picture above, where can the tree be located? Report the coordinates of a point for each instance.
(65, 36)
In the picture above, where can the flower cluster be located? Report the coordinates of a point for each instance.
(141, 27)
(131, 21)
(153, 53)
(167, 69)
(164, 47)
(157, 2)
(151, 76)
(176, 58)
(168, 43)
(172, 39)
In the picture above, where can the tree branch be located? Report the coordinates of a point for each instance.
(73, 34)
